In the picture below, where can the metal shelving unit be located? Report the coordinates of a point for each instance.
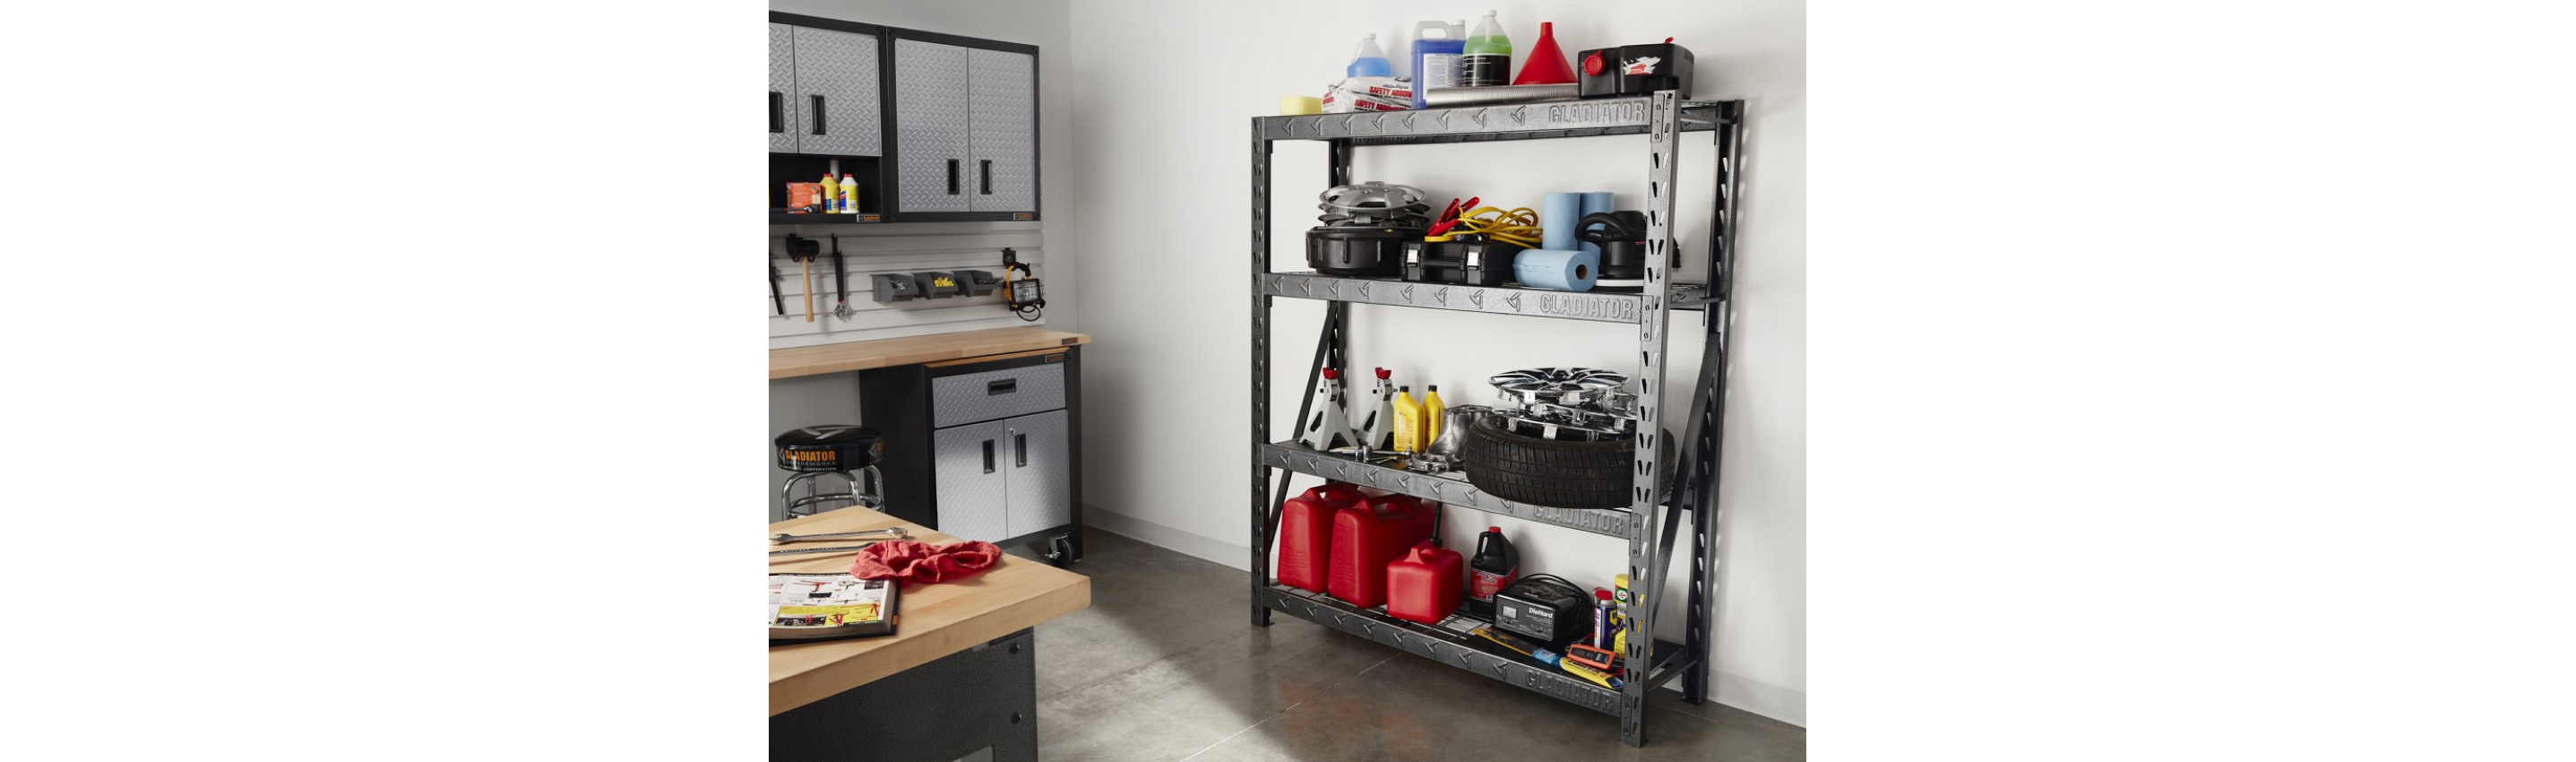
(1652, 520)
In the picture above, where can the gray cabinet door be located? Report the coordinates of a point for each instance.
(1005, 130)
(782, 89)
(1041, 472)
(930, 116)
(836, 85)
(972, 467)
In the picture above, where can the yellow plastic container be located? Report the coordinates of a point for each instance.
(1408, 421)
(1431, 408)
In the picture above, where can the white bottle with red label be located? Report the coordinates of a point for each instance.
(1495, 566)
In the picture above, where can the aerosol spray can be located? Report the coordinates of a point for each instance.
(1624, 601)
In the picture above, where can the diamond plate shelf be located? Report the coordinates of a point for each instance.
(1602, 307)
(1448, 644)
(1615, 522)
(1522, 121)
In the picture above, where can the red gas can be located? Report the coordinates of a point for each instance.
(1306, 533)
(1366, 537)
(1426, 584)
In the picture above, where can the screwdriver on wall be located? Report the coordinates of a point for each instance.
(774, 298)
(840, 278)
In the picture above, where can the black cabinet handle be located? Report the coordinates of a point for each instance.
(818, 114)
(988, 177)
(1004, 386)
(777, 111)
(988, 456)
(1020, 442)
(952, 177)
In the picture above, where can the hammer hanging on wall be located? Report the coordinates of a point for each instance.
(802, 250)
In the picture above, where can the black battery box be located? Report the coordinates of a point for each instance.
(1544, 608)
(1629, 71)
(1461, 262)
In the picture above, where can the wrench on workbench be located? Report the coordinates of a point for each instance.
(782, 539)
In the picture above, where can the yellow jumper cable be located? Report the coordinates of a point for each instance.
(1518, 226)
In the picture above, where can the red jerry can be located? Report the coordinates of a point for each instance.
(1426, 584)
(1368, 536)
(1306, 533)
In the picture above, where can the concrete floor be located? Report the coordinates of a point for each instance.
(1166, 665)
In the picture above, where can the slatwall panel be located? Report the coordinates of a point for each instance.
(906, 248)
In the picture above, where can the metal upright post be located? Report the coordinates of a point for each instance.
(1260, 371)
(1646, 551)
(1708, 408)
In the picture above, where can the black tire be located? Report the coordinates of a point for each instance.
(1527, 469)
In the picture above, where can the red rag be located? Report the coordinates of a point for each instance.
(919, 563)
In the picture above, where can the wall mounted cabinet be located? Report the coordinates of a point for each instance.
(825, 95)
(955, 119)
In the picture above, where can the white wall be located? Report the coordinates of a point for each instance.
(1048, 245)
(1164, 205)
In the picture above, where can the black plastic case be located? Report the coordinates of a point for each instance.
(1465, 263)
(1629, 71)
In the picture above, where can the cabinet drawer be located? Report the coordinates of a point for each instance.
(996, 394)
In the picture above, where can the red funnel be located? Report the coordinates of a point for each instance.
(1545, 64)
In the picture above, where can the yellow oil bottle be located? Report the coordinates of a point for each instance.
(832, 189)
(1408, 421)
(1431, 408)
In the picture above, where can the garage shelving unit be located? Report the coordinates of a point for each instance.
(1651, 521)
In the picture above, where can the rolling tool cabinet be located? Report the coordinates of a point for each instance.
(984, 448)
(1651, 521)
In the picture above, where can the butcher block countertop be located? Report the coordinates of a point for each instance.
(914, 350)
(932, 620)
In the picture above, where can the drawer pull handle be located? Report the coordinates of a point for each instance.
(777, 111)
(818, 115)
(1020, 443)
(988, 456)
(1004, 386)
(952, 177)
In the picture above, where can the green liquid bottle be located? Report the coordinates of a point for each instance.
(1488, 58)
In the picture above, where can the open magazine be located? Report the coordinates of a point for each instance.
(825, 606)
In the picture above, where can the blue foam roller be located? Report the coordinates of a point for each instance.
(1597, 201)
(1560, 269)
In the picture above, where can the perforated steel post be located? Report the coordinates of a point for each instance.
(1260, 372)
(1646, 552)
(1708, 408)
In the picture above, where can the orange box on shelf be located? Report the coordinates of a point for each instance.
(804, 197)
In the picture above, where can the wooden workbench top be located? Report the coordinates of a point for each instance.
(934, 620)
(911, 350)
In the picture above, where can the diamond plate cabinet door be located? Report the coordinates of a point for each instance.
(930, 116)
(836, 85)
(783, 114)
(973, 464)
(1040, 469)
(1003, 87)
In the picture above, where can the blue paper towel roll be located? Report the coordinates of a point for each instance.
(1556, 216)
(1597, 201)
(1560, 269)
